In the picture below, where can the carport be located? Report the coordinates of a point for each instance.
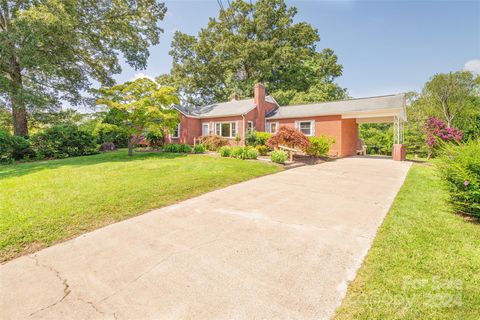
(393, 112)
(340, 120)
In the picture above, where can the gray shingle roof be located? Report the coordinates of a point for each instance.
(223, 109)
(395, 101)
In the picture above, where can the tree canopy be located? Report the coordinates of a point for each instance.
(447, 96)
(50, 50)
(141, 106)
(249, 43)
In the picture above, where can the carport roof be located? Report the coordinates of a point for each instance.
(392, 103)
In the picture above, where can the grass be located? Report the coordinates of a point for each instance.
(425, 260)
(45, 202)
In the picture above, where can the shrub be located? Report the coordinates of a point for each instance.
(155, 138)
(199, 148)
(262, 150)
(14, 147)
(213, 142)
(257, 138)
(225, 151)
(107, 146)
(319, 146)
(437, 132)
(459, 166)
(244, 153)
(171, 147)
(6, 148)
(250, 153)
(177, 148)
(62, 141)
(279, 156)
(237, 152)
(185, 148)
(106, 132)
(289, 137)
(21, 148)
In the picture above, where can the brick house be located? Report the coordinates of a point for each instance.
(338, 119)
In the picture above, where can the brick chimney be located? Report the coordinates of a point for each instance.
(259, 99)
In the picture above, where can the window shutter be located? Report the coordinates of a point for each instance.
(313, 127)
(297, 125)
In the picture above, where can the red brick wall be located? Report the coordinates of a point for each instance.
(344, 131)
(349, 137)
(190, 129)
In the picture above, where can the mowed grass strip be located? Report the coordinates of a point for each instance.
(45, 202)
(425, 260)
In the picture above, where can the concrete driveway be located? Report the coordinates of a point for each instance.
(280, 246)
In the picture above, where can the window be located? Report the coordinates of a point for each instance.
(226, 129)
(306, 127)
(272, 127)
(250, 127)
(176, 132)
(205, 129)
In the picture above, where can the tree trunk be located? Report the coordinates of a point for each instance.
(130, 145)
(19, 111)
(19, 116)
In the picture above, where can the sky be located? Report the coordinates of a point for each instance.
(385, 47)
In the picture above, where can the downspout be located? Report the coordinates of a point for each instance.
(244, 132)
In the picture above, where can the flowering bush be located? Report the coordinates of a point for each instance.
(290, 137)
(459, 166)
(437, 131)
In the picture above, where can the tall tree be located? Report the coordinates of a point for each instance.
(248, 43)
(447, 95)
(141, 106)
(51, 49)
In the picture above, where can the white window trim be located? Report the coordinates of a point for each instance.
(230, 134)
(248, 123)
(269, 126)
(172, 135)
(208, 127)
(312, 126)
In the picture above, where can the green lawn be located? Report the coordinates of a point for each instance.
(46, 202)
(425, 260)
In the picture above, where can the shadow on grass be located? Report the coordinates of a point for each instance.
(20, 169)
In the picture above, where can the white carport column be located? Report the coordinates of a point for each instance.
(399, 152)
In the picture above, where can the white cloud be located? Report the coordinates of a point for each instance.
(473, 66)
(140, 75)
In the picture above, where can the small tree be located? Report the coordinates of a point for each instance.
(289, 137)
(142, 105)
(446, 95)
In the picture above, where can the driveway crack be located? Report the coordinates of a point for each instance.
(66, 286)
(157, 264)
